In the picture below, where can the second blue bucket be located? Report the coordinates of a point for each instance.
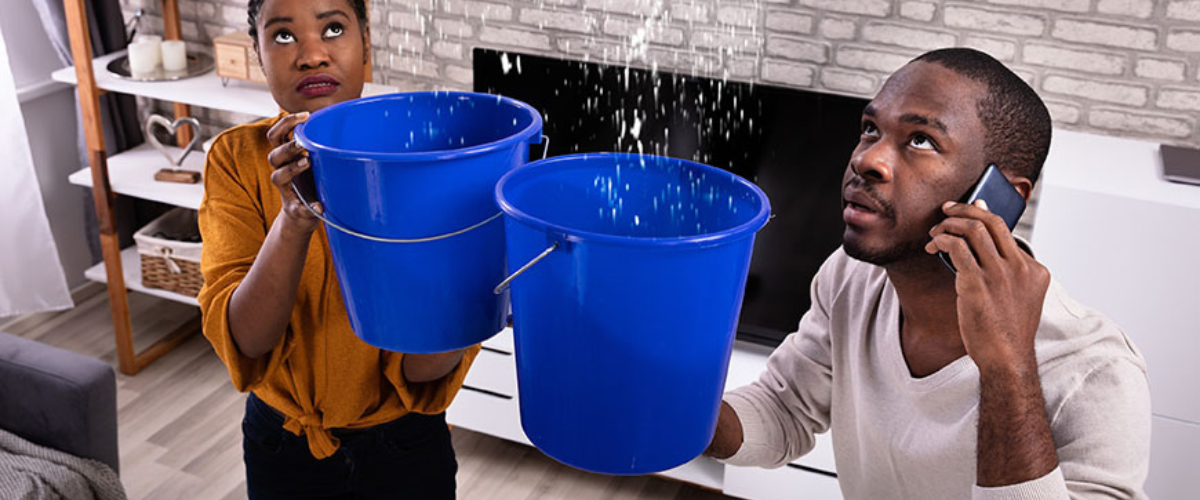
(625, 321)
(407, 183)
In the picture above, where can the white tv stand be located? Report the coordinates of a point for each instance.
(488, 404)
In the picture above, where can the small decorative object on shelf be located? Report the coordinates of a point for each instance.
(144, 55)
(169, 248)
(174, 56)
(144, 61)
(173, 173)
(236, 58)
(177, 175)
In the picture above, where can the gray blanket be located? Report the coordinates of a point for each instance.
(32, 472)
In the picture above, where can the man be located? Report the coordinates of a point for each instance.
(990, 383)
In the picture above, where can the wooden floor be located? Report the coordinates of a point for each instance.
(179, 420)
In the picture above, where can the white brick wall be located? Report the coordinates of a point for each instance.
(907, 36)
(1161, 69)
(795, 48)
(1121, 67)
(1184, 9)
(1131, 8)
(1097, 90)
(1063, 5)
(1002, 49)
(785, 21)
(1114, 35)
(1009, 22)
(1083, 60)
(838, 28)
(920, 11)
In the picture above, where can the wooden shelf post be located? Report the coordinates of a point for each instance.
(130, 361)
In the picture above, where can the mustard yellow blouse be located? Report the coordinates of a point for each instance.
(320, 376)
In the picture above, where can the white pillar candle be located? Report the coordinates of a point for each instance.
(142, 58)
(154, 40)
(174, 55)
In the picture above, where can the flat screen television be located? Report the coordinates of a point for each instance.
(794, 144)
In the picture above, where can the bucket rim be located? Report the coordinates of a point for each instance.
(531, 133)
(748, 228)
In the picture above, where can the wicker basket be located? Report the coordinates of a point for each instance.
(167, 262)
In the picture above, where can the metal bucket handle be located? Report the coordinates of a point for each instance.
(508, 281)
(330, 223)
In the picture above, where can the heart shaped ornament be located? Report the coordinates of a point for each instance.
(172, 128)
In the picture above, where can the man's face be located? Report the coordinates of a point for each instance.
(921, 146)
(312, 52)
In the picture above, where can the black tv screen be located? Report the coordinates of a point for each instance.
(794, 144)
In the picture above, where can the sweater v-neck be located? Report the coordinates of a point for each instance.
(888, 322)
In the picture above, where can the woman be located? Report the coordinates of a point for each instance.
(328, 416)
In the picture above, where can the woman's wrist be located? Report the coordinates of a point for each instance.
(293, 229)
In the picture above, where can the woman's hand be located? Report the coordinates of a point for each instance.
(290, 160)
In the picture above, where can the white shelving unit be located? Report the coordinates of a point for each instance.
(131, 173)
(204, 90)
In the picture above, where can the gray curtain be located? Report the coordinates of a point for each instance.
(118, 111)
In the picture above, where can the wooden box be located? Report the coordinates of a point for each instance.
(235, 58)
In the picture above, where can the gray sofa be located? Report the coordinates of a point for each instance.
(58, 399)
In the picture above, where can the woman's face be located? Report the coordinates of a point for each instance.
(313, 52)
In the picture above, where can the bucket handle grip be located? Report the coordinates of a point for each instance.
(507, 281)
(381, 239)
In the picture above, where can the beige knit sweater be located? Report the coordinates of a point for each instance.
(895, 436)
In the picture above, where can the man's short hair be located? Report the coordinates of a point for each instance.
(1016, 120)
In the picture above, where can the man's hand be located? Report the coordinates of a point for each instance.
(1000, 287)
(727, 439)
(1000, 292)
(289, 160)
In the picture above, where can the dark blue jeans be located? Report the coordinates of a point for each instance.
(410, 457)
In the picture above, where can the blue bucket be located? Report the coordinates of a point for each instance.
(630, 272)
(406, 182)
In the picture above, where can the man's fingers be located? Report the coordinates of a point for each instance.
(278, 134)
(959, 251)
(1002, 238)
(977, 236)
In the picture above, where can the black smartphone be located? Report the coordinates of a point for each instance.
(1001, 197)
